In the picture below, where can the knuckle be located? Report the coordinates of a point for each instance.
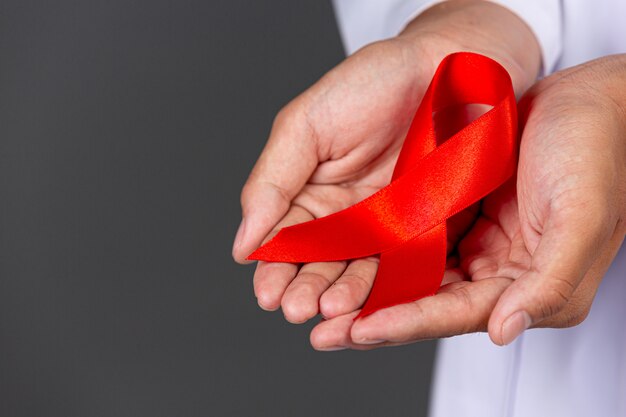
(294, 111)
(572, 316)
(577, 317)
(283, 115)
(620, 226)
(356, 280)
(472, 323)
(408, 328)
(555, 297)
(345, 294)
(306, 285)
(317, 279)
(464, 298)
(300, 115)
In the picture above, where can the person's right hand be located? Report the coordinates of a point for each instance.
(337, 143)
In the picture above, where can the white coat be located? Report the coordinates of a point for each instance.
(580, 371)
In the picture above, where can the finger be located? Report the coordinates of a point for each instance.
(350, 291)
(286, 163)
(577, 307)
(334, 334)
(571, 242)
(579, 304)
(458, 308)
(301, 299)
(272, 278)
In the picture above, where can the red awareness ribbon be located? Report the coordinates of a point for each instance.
(405, 222)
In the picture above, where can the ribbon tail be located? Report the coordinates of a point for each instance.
(396, 282)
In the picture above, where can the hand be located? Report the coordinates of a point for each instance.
(536, 255)
(337, 143)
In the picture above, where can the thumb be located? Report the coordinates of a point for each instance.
(286, 163)
(571, 242)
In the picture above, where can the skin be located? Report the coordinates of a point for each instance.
(533, 255)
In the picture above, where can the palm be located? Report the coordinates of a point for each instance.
(356, 118)
(359, 115)
(495, 246)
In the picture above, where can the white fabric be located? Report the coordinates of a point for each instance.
(569, 31)
(365, 21)
(545, 20)
(573, 372)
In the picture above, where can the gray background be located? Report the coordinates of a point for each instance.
(126, 131)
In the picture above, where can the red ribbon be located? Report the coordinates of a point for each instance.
(405, 222)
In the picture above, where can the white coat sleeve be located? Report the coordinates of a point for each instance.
(366, 21)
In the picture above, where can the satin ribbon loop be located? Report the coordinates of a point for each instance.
(405, 222)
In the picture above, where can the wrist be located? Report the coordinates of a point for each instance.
(477, 26)
(600, 86)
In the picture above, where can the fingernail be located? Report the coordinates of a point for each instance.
(369, 341)
(239, 236)
(331, 348)
(514, 325)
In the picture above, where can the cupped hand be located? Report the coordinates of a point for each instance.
(337, 143)
(542, 243)
(329, 148)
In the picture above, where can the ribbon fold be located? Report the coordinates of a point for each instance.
(405, 222)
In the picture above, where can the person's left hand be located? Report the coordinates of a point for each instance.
(542, 243)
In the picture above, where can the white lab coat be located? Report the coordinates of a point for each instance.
(580, 371)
